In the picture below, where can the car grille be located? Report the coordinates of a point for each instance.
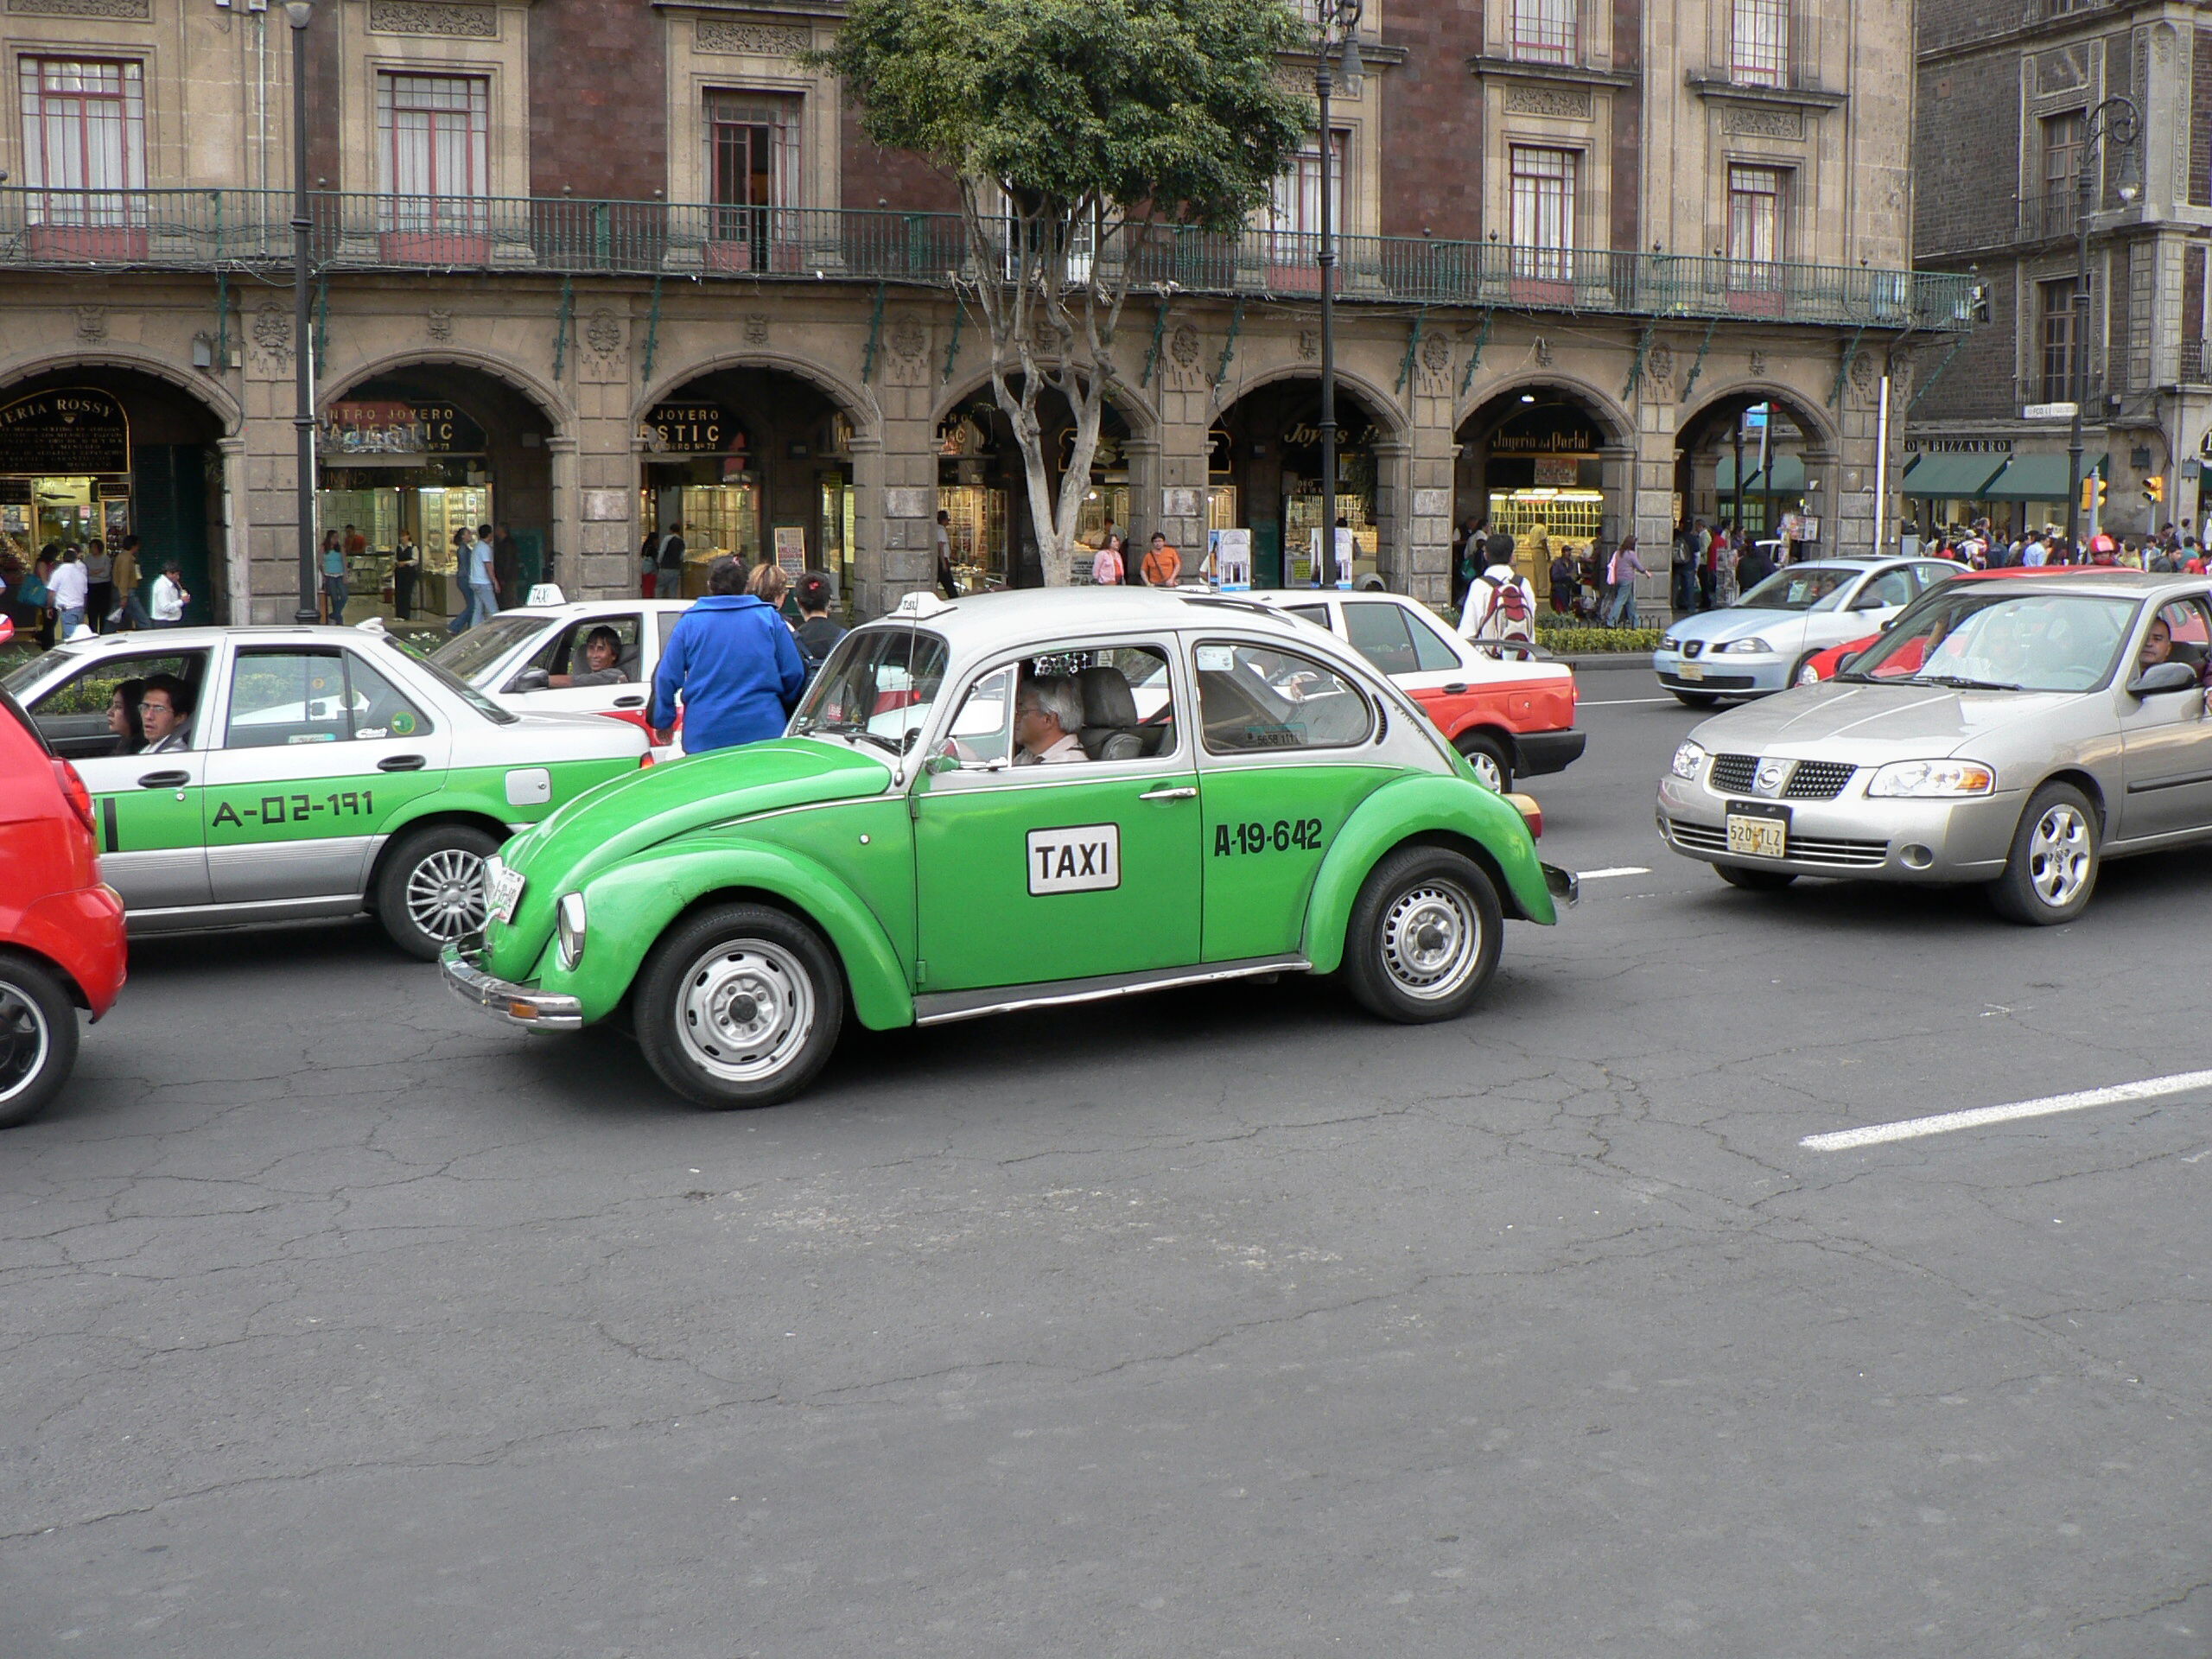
(1803, 849)
(1813, 781)
(1694, 648)
(1710, 683)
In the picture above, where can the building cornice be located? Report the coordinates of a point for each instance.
(1570, 74)
(1736, 91)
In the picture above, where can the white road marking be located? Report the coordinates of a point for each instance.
(1620, 703)
(1624, 869)
(1944, 1122)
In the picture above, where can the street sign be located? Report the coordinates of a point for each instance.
(2049, 412)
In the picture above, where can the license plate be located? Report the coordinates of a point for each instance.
(1693, 671)
(502, 891)
(1757, 829)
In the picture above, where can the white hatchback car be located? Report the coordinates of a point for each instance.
(515, 655)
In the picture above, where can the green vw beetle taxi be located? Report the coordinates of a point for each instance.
(1240, 795)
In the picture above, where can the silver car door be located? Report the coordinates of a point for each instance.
(2166, 740)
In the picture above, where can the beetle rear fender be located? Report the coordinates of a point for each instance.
(1447, 810)
(628, 906)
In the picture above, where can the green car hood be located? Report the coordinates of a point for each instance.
(622, 818)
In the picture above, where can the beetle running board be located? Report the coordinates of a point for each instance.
(944, 1006)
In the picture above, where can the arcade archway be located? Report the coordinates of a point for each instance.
(982, 487)
(1756, 458)
(1263, 474)
(1550, 465)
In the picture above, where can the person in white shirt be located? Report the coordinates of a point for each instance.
(170, 596)
(69, 585)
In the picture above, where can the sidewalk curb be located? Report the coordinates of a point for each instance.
(1607, 660)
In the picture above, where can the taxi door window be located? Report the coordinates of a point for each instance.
(283, 698)
(982, 732)
(73, 716)
(1317, 614)
(565, 652)
(1378, 633)
(1255, 699)
(1429, 644)
(1124, 693)
(1891, 588)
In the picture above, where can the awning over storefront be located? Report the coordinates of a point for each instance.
(1789, 476)
(2035, 478)
(1954, 478)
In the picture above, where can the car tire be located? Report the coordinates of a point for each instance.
(2054, 859)
(1754, 880)
(1694, 699)
(740, 1006)
(1492, 761)
(430, 892)
(38, 1039)
(1423, 937)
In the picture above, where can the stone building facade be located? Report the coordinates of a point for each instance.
(590, 268)
(2001, 119)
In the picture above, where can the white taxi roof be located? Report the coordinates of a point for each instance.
(985, 622)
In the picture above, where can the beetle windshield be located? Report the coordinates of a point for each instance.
(1800, 588)
(1970, 639)
(473, 652)
(879, 684)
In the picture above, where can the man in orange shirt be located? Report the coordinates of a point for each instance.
(1163, 565)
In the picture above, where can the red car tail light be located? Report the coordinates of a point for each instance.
(645, 759)
(73, 790)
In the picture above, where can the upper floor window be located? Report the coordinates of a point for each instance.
(1296, 207)
(1758, 42)
(2062, 169)
(1758, 199)
(753, 150)
(1543, 217)
(2059, 341)
(1543, 30)
(84, 128)
(434, 134)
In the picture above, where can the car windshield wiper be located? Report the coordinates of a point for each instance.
(1962, 682)
(854, 728)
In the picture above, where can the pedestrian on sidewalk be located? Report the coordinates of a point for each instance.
(1621, 572)
(733, 662)
(333, 579)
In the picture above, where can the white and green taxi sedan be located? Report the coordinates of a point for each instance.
(320, 772)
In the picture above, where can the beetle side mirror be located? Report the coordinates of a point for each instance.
(937, 765)
(2161, 679)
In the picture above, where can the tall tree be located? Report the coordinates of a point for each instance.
(1076, 129)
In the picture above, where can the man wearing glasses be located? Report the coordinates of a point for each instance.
(165, 710)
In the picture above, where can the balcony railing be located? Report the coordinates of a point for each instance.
(206, 230)
(2052, 215)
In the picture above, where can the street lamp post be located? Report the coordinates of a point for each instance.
(1339, 35)
(296, 12)
(2116, 120)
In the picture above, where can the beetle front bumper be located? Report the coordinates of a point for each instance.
(519, 1004)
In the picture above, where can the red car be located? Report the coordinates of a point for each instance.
(1824, 664)
(61, 945)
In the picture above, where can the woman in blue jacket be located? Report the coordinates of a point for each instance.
(735, 664)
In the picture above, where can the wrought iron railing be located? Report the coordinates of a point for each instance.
(204, 230)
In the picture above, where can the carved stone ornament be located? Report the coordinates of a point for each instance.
(272, 330)
(1542, 349)
(438, 325)
(454, 21)
(1759, 364)
(1183, 345)
(749, 39)
(1309, 343)
(1436, 354)
(1763, 123)
(92, 322)
(129, 12)
(1569, 103)
(1659, 369)
(756, 328)
(1863, 375)
(603, 332)
(908, 337)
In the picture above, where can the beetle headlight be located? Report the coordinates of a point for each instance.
(1687, 759)
(1754, 644)
(568, 928)
(1926, 779)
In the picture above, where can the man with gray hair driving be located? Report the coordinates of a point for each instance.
(1047, 714)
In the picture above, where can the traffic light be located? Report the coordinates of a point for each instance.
(2154, 490)
(2093, 494)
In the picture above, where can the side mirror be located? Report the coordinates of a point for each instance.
(530, 679)
(2163, 679)
(937, 765)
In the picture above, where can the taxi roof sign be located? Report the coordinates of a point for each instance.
(922, 603)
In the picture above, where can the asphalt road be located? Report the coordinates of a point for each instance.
(341, 1323)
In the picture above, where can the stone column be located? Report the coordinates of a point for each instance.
(565, 562)
(233, 602)
(1395, 538)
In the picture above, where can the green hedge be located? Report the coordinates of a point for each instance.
(1575, 639)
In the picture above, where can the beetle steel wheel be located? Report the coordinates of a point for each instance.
(25, 1042)
(445, 894)
(2058, 855)
(747, 1008)
(1432, 940)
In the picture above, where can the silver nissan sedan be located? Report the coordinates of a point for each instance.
(2010, 733)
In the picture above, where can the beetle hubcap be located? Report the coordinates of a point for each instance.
(748, 1009)
(2058, 855)
(1432, 938)
(445, 894)
(24, 1041)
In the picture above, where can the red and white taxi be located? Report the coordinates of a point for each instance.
(1511, 715)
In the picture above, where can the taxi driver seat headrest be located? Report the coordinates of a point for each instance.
(1109, 715)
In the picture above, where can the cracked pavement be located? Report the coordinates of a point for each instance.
(343, 1323)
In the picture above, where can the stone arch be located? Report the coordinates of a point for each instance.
(1136, 411)
(858, 404)
(1381, 404)
(559, 414)
(1818, 423)
(208, 393)
(1606, 408)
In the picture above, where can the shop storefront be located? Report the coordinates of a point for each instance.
(391, 467)
(983, 491)
(1264, 475)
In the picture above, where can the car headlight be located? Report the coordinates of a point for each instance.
(1925, 779)
(568, 927)
(1667, 642)
(1753, 644)
(1687, 759)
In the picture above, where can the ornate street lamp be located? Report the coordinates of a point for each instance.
(297, 12)
(1336, 50)
(2115, 119)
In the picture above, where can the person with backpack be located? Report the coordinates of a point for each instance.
(1621, 572)
(816, 635)
(1500, 605)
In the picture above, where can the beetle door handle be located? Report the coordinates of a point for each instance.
(629, 703)
(165, 780)
(400, 763)
(1181, 793)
